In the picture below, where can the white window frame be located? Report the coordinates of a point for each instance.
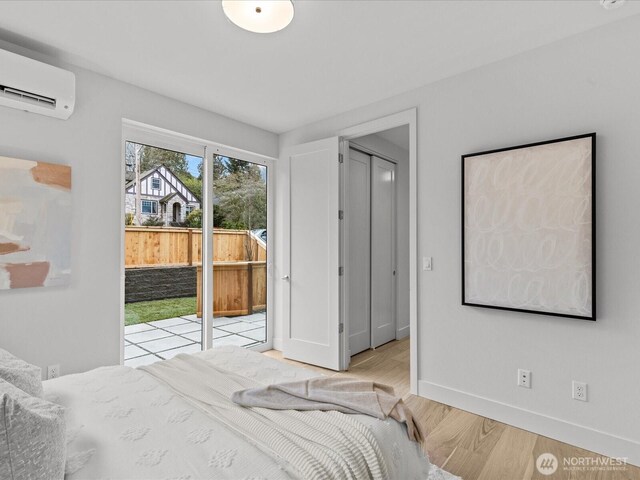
(137, 132)
(153, 183)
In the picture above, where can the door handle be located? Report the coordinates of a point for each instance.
(286, 277)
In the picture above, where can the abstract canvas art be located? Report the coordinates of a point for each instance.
(528, 228)
(35, 224)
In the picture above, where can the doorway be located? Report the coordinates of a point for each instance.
(177, 217)
(376, 239)
(315, 319)
(200, 222)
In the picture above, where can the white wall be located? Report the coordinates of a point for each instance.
(469, 356)
(401, 157)
(79, 326)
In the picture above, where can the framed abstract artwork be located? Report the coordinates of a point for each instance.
(35, 224)
(528, 228)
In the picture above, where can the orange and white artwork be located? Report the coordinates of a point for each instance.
(35, 224)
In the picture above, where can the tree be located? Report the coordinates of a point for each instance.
(192, 183)
(242, 197)
(194, 219)
(233, 165)
(153, 157)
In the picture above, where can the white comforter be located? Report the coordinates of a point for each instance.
(124, 424)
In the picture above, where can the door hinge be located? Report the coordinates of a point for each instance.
(341, 328)
(340, 271)
(340, 214)
(340, 158)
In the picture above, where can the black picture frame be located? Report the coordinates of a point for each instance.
(465, 158)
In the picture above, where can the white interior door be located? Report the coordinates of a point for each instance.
(311, 282)
(359, 258)
(383, 252)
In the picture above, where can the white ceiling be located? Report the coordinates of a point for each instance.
(335, 56)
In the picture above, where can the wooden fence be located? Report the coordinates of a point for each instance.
(154, 246)
(239, 263)
(240, 288)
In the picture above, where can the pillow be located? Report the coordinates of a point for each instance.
(32, 436)
(23, 375)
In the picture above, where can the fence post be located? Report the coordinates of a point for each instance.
(190, 247)
(250, 287)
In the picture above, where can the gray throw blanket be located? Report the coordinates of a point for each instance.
(345, 395)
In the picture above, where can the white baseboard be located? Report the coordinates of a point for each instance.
(402, 332)
(584, 437)
(277, 344)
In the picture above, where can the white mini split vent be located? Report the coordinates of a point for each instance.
(36, 87)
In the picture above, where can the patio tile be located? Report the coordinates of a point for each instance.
(238, 327)
(259, 334)
(255, 317)
(169, 322)
(193, 348)
(140, 327)
(166, 343)
(193, 318)
(140, 361)
(194, 336)
(224, 321)
(259, 324)
(217, 333)
(147, 335)
(232, 340)
(132, 351)
(185, 328)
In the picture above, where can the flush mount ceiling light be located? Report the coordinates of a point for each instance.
(611, 4)
(259, 16)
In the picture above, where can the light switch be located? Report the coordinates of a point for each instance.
(426, 263)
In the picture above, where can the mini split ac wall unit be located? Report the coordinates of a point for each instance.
(36, 87)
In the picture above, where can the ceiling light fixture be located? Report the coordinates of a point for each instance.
(259, 16)
(611, 4)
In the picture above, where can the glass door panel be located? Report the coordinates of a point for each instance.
(163, 250)
(240, 252)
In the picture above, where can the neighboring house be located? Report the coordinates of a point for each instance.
(162, 195)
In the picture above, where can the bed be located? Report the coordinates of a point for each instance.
(125, 423)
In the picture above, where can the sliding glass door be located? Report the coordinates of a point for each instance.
(240, 209)
(197, 265)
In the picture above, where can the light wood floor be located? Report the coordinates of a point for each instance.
(463, 443)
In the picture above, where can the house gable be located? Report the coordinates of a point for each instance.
(168, 184)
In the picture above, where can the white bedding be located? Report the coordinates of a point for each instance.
(124, 424)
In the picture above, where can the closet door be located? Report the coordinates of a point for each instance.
(359, 266)
(383, 252)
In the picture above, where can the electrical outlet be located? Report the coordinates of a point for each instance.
(524, 378)
(53, 371)
(579, 391)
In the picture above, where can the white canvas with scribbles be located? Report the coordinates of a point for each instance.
(527, 231)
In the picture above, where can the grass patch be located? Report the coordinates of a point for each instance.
(143, 312)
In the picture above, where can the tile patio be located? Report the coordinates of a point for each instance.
(150, 342)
